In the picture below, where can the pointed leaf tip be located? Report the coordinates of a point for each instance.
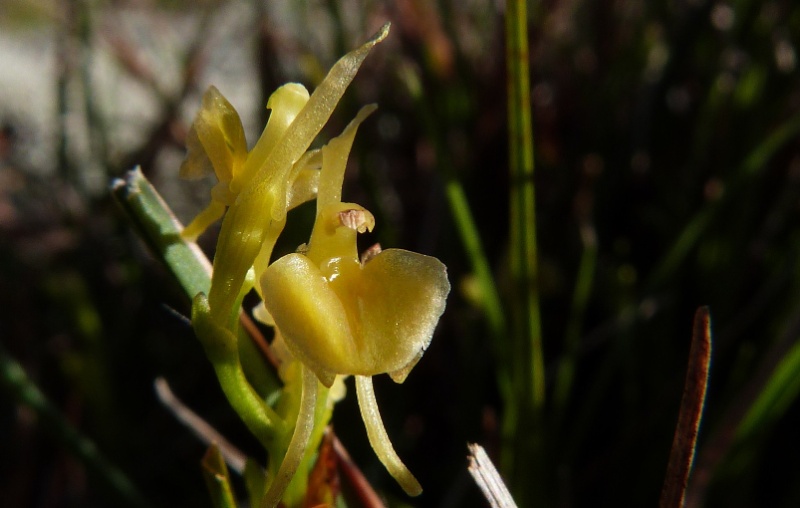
(381, 33)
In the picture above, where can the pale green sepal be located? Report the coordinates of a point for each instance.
(334, 160)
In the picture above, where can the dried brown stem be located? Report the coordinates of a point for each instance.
(203, 430)
(367, 497)
(684, 442)
(258, 338)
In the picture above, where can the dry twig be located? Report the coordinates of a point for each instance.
(488, 478)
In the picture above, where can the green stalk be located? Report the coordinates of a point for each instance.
(527, 358)
(470, 238)
(466, 227)
(580, 300)
(159, 228)
(15, 382)
(697, 226)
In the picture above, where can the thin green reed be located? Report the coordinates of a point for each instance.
(465, 225)
(526, 334)
(693, 231)
(23, 391)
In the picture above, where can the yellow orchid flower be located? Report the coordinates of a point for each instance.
(341, 316)
(337, 314)
(259, 187)
(216, 144)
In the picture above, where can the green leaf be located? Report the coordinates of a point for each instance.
(782, 389)
(19, 387)
(215, 473)
(255, 481)
(158, 227)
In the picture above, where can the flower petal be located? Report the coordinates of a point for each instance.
(305, 127)
(285, 103)
(196, 165)
(334, 159)
(310, 316)
(402, 295)
(219, 131)
(378, 319)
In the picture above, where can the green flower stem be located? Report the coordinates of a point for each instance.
(222, 350)
(256, 369)
(159, 228)
(15, 382)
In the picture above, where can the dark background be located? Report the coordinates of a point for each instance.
(667, 157)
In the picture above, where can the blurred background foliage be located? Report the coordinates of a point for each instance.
(667, 177)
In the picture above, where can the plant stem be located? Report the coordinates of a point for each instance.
(527, 358)
(22, 390)
(694, 395)
(580, 299)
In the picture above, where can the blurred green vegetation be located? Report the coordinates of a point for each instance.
(667, 146)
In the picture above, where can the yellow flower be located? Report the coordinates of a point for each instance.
(337, 314)
(258, 188)
(216, 143)
(341, 316)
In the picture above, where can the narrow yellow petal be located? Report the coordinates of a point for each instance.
(204, 219)
(379, 439)
(310, 120)
(297, 445)
(285, 103)
(334, 160)
(219, 130)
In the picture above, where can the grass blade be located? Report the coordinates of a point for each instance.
(15, 381)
